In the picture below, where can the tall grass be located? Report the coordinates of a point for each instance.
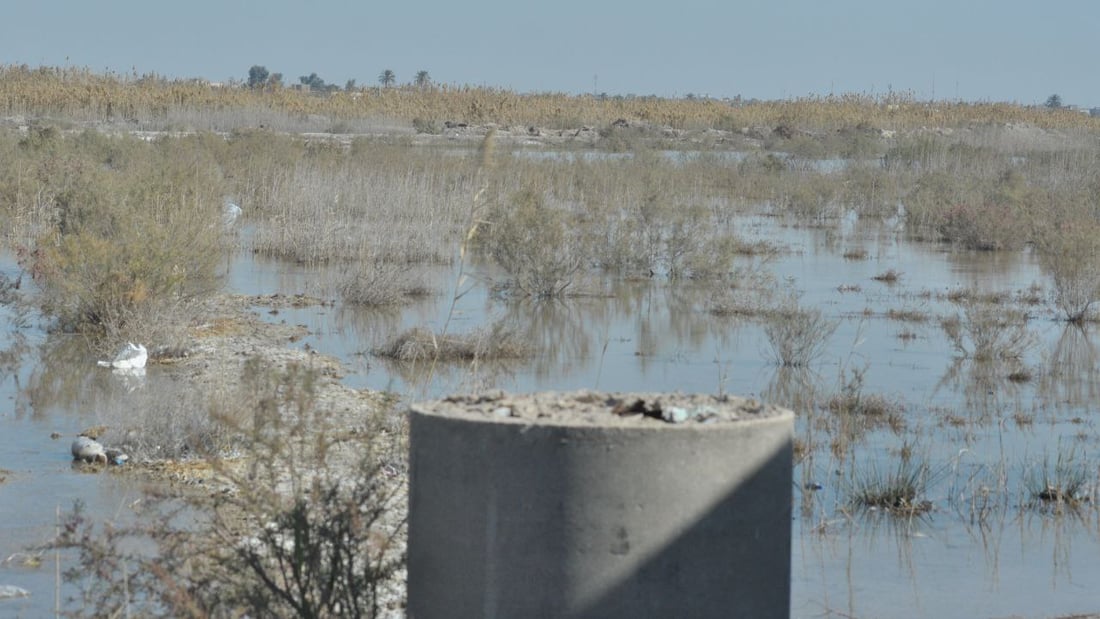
(152, 100)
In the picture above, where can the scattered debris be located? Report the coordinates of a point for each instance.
(131, 356)
(11, 591)
(90, 451)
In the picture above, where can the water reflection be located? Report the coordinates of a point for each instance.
(564, 332)
(1069, 377)
(420, 379)
(66, 378)
(987, 387)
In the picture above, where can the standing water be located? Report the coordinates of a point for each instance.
(982, 549)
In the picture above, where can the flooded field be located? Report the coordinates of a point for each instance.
(945, 370)
(985, 548)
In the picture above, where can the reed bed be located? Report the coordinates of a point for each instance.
(83, 94)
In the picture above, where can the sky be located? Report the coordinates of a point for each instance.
(971, 50)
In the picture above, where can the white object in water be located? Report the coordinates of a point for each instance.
(230, 213)
(131, 356)
(11, 591)
(88, 450)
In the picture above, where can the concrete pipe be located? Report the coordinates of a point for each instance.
(599, 505)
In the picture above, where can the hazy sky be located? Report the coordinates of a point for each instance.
(1002, 50)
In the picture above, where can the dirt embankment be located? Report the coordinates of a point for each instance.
(232, 333)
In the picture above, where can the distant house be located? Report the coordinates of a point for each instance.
(1094, 111)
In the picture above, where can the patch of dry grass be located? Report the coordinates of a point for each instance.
(907, 315)
(375, 283)
(851, 119)
(497, 341)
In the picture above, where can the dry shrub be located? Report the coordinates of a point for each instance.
(498, 341)
(811, 197)
(990, 208)
(400, 205)
(173, 422)
(538, 244)
(751, 293)
(797, 335)
(128, 243)
(889, 276)
(906, 315)
(1070, 255)
(376, 282)
(865, 410)
(983, 225)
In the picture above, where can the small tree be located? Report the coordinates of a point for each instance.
(257, 76)
(350, 85)
(387, 78)
(313, 81)
(423, 80)
(1054, 101)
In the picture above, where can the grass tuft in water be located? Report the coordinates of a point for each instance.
(896, 491)
(1068, 486)
(889, 276)
(498, 341)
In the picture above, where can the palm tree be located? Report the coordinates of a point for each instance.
(423, 80)
(387, 78)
